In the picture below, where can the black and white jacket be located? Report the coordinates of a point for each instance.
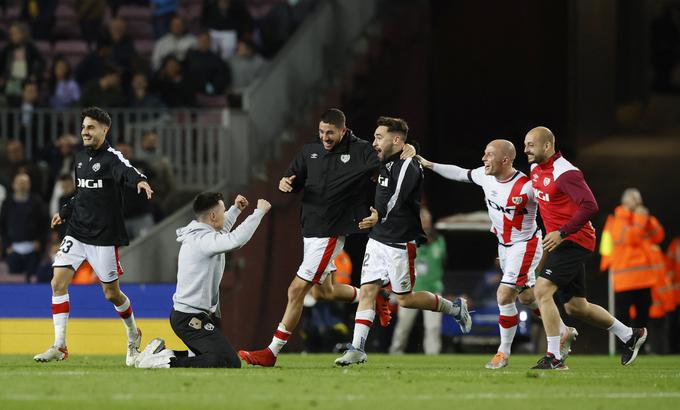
(95, 214)
(397, 200)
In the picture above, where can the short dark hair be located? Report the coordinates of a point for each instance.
(206, 200)
(397, 125)
(335, 117)
(96, 114)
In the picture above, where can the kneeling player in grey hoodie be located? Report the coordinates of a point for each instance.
(196, 309)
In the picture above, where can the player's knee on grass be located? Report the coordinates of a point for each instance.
(226, 359)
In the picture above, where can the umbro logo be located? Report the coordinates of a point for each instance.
(548, 272)
(314, 156)
(209, 327)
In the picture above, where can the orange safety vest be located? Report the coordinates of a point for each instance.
(84, 275)
(663, 298)
(343, 268)
(632, 260)
(673, 259)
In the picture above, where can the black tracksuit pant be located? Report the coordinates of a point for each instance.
(201, 333)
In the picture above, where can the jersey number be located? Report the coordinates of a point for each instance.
(366, 258)
(65, 246)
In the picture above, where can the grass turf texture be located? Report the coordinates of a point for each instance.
(310, 381)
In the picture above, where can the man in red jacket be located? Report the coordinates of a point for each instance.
(566, 204)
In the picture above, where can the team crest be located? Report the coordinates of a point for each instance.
(195, 323)
(516, 200)
(209, 327)
(96, 166)
(546, 181)
(344, 158)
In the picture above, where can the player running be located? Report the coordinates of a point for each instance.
(566, 204)
(335, 173)
(391, 249)
(95, 230)
(512, 209)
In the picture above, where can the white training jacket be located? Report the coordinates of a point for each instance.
(201, 260)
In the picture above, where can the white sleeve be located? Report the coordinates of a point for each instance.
(230, 218)
(457, 173)
(220, 242)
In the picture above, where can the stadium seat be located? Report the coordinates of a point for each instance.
(65, 12)
(139, 29)
(134, 13)
(72, 50)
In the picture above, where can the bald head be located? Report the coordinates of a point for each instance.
(543, 135)
(505, 148)
(539, 145)
(498, 157)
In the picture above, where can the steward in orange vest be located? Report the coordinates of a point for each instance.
(633, 256)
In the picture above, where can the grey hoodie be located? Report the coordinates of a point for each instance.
(201, 260)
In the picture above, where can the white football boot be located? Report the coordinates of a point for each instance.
(351, 356)
(53, 353)
(133, 349)
(566, 341)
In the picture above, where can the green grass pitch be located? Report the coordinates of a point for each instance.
(414, 382)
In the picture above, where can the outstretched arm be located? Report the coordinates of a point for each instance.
(452, 172)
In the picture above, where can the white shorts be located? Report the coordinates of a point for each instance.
(319, 254)
(390, 264)
(103, 259)
(519, 262)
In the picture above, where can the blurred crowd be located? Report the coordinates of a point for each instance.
(138, 53)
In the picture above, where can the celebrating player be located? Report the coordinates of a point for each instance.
(335, 173)
(512, 210)
(566, 204)
(195, 316)
(391, 249)
(95, 230)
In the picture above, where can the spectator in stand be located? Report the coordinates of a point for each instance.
(176, 43)
(163, 11)
(208, 73)
(123, 52)
(227, 15)
(23, 227)
(60, 163)
(94, 64)
(139, 93)
(20, 61)
(275, 20)
(39, 15)
(172, 86)
(164, 178)
(245, 65)
(136, 207)
(64, 90)
(67, 187)
(104, 92)
(17, 163)
(29, 130)
(90, 15)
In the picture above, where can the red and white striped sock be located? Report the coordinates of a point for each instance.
(279, 340)
(60, 310)
(125, 313)
(507, 322)
(362, 325)
(357, 291)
